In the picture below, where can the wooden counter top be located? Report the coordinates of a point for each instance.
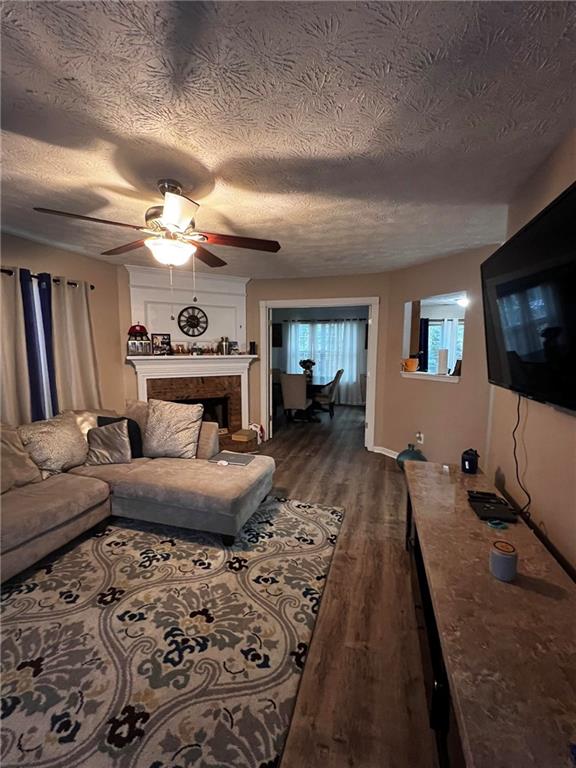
(509, 649)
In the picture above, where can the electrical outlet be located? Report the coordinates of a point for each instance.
(420, 438)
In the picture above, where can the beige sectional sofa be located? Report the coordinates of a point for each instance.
(41, 515)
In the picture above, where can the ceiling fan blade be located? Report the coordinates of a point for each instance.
(253, 243)
(89, 218)
(124, 248)
(208, 258)
(178, 212)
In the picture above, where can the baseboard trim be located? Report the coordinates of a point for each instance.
(386, 451)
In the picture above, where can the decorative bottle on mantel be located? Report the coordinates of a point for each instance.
(223, 345)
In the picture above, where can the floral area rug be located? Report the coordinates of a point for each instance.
(149, 647)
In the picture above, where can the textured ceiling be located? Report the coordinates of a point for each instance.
(362, 136)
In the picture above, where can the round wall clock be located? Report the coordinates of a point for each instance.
(192, 321)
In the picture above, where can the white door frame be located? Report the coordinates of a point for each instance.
(372, 302)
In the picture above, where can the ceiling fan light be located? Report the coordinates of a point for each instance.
(172, 253)
(178, 212)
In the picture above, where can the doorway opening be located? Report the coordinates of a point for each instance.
(318, 357)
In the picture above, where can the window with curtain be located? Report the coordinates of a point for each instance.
(332, 344)
(48, 355)
(445, 334)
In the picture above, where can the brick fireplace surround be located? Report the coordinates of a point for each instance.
(178, 389)
(187, 377)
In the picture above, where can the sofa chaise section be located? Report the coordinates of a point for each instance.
(40, 517)
(195, 493)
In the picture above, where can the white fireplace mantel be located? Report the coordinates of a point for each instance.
(174, 366)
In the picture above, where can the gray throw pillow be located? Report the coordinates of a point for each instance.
(172, 430)
(55, 445)
(109, 444)
(17, 468)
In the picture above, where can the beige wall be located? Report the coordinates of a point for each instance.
(18, 252)
(548, 435)
(452, 417)
(403, 406)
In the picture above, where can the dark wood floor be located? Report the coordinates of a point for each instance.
(361, 699)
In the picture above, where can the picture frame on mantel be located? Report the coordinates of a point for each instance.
(161, 344)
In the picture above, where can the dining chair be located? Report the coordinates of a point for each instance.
(294, 396)
(327, 396)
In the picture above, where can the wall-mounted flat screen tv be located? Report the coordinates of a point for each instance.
(529, 295)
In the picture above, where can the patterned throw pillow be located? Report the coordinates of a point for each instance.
(55, 445)
(17, 468)
(172, 430)
(109, 444)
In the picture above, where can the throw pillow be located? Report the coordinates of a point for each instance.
(55, 445)
(134, 433)
(172, 430)
(138, 410)
(109, 444)
(17, 468)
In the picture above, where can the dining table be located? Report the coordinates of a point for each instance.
(314, 387)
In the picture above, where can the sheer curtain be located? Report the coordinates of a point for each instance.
(450, 341)
(15, 388)
(77, 380)
(444, 334)
(333, 344)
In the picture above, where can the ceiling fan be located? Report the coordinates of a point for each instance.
(172, 236)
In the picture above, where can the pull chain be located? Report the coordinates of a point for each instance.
(195, 299)
(171, 293)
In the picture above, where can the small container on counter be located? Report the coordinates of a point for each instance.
(503, 561)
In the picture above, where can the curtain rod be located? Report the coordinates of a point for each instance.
(330, 320)
(35, 277)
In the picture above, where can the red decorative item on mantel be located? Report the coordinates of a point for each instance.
(137, 332)
(138, 340)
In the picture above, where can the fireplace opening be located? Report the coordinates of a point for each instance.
(221, 397)
(215, 409)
